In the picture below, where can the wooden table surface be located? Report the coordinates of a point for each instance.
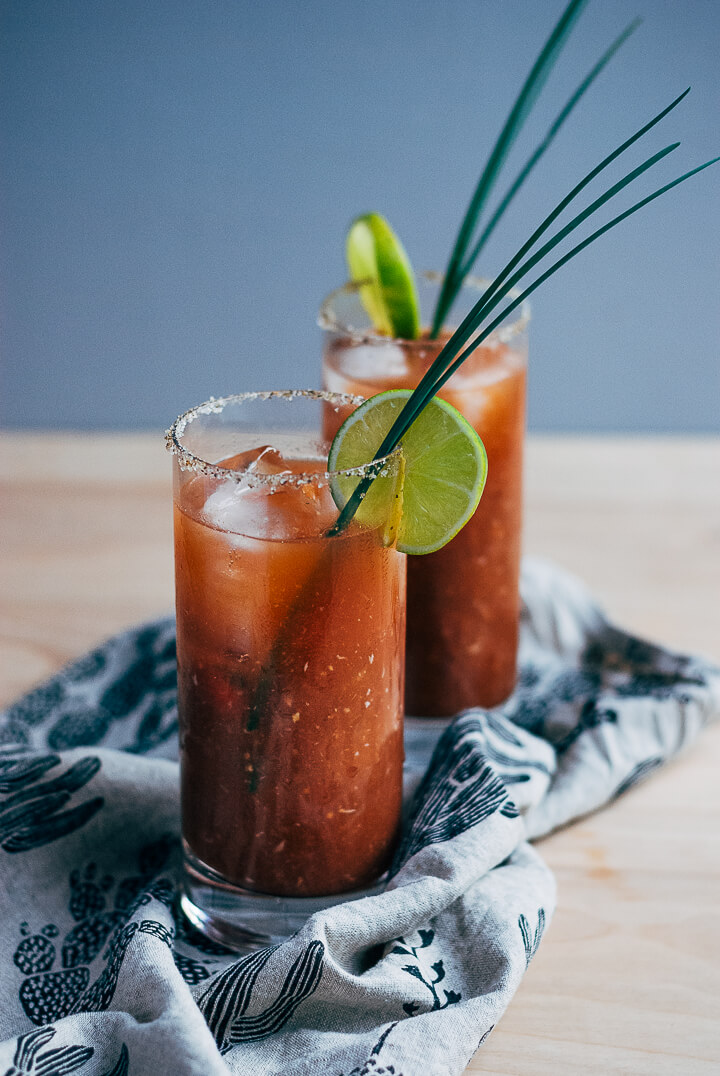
(627, 979)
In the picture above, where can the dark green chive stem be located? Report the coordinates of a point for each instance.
(492, 297)
(541, 149)
(499, 286)
(501, 277)
(495, 294)
(444, 366)
(518, 114)
(559, 264)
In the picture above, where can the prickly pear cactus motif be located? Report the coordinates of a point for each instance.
(57, 977)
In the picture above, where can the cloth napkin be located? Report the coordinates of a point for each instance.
(100, 975)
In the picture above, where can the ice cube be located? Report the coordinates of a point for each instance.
(269, 461)
(369, 361)
(238, 510)
(291, 511)
(263, 460)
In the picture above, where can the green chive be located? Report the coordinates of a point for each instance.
(560, 263)
(513, 125)
(448, 361)
(473, 319)
(543, 147)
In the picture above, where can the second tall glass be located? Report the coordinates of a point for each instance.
(463, 605)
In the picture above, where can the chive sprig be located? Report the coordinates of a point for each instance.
(458, 265)
(537, 153)
(476, 325)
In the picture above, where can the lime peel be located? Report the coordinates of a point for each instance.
(378, 263)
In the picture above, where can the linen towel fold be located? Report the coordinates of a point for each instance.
(100, 975)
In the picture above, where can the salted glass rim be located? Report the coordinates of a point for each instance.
(188, 461)
(328, 321)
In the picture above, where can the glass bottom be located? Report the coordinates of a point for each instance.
(241, 919)
(421, 737)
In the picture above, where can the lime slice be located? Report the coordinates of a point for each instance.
(376, 255)
(445, 467)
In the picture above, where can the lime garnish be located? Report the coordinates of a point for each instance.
(376, 256)
(445, 466)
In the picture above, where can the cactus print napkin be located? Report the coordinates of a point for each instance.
(99, 973)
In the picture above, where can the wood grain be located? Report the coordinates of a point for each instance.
(627, 979)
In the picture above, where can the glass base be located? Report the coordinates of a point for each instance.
(421, 737)
(241, 919)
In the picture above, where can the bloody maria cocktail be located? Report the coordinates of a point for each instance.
(290, 658)
(463, 603)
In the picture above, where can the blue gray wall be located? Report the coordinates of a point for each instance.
(178, 177)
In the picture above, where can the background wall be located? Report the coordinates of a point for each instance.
(178, 177)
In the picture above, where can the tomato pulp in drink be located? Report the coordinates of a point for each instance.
(463, 601)
(290, 682)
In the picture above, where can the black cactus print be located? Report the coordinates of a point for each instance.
(81, 726)
(86, 667)
(227, 999)
(537, 705)
(53, 995)
(528, 676)
(129, 680)
(574, 684)
(37, 952)
(148, 685)
(49, 992)
(98, 996)
(507, 752)
(614, 650)
(592, 716)
(192, 969)
(657, 685)
(124, 695)
(33, 812)
(560, 702)
(459, 790)
(531, 713)
(34, 707)
(32, 1059)
(430, 976)
(531, 940)
(152, 859)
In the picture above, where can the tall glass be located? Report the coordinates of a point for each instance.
(290, 648)
(463, 601)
